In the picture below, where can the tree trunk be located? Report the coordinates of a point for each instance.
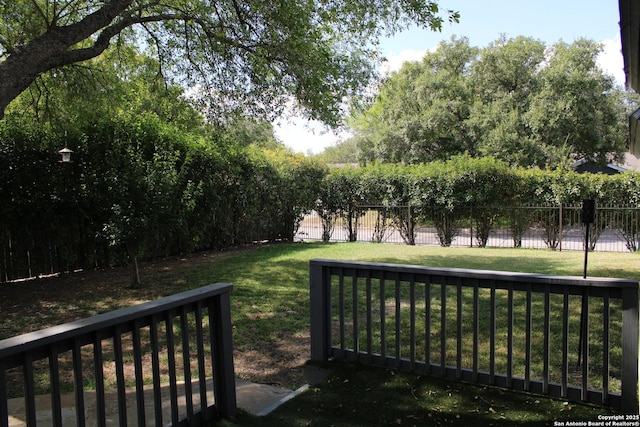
(53, 49)
(132, 250)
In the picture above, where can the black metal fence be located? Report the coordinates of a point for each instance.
(616, 229)
(565, 337)
(129, 362)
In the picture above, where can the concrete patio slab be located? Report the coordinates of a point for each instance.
(257, 399)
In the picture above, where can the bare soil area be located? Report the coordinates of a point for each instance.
(29, 305)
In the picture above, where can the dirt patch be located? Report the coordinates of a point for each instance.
(31, 305)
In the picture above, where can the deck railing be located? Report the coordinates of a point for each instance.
(565, 337)
(129, 355)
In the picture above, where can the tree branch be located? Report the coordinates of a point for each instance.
(41, 13)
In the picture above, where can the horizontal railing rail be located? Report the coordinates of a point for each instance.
(184, 336)
(565, 337)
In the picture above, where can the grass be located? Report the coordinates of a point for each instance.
(271, 283)
(430, 304)
(276, 283)
(270, 311)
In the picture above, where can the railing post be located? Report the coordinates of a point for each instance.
(630, 365)
(4, 409)
(224, 377)
(320, 298)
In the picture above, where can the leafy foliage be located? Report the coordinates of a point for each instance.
(477, 190)
(346, 151)
(139, 187)
(517, 100)
(250, 56)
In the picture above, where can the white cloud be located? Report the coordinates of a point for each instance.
(396, 59)
(610, 60)
(304, 136)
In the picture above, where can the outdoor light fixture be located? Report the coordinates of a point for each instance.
(66, 155)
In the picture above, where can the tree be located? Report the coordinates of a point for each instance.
(319, 52)
(246, 131)
(516, 100)
(118, 81)
(503, 77)
(342, 152)
(421, 112)
(299, 180)
(576, 108)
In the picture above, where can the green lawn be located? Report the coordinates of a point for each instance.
(270, 313)
(273, 280)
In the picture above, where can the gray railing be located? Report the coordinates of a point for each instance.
(126, 356)
(565, 337)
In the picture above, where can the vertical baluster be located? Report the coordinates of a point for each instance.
(509, 334)
(4, 407)
(443, 326)
(383, 321)
(412, 321)
(119, 361)
(171, 362)
(546, 339)
(29, 389)
(155, 369)
(54, 372)
(476, 328)
(202, 374)
(459, 330)
(186, 361)
(78, 383)
(585, 344)
(369, 315)
(137, 362)
(492, 335)
(341, 309)
(99, 375)
(354, 312)
(565, 343)
(427, 323)
(398, 341)
(527, 367)
(605, 348)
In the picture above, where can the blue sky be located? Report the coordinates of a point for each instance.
(483, 21)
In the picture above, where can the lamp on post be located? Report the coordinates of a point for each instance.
(66, 155)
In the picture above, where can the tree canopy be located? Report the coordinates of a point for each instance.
(240, 55)
(517, 100)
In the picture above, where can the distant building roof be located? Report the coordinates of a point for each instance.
(631, 162)
(587, 166)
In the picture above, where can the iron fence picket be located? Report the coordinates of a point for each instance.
(617, 228)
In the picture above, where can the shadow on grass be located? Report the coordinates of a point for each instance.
(357, 395)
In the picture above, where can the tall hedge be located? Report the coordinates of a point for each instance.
(476, 190)
(139, 187)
